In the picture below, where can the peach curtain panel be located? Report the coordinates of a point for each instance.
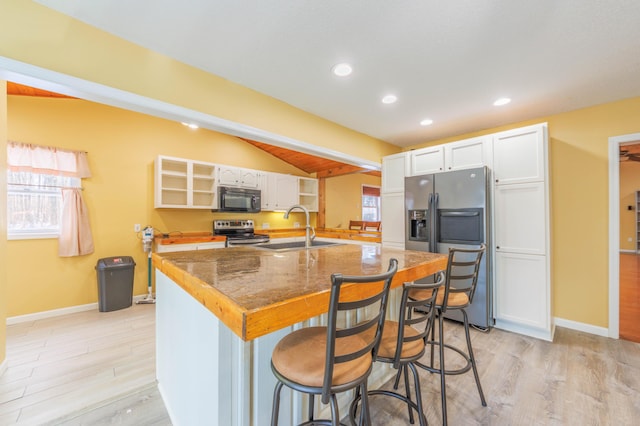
(75, 231)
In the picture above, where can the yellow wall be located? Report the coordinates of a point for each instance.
(344, 195)
(122, 146)
(579, 164)
(3, 221)
(629, 184)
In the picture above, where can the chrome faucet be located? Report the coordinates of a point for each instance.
(308, 230)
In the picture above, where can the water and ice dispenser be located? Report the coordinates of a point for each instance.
(419, 225)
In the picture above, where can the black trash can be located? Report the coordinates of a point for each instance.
(115, 282)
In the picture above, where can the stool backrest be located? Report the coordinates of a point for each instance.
(416, 311)
(356, 224)
(462, 272)
(369, 297)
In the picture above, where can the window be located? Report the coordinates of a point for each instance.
(370, 203)
(34, 204)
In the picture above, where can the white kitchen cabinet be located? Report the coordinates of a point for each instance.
(392, 212)
(166, 248)
(238, 177)
(519, 155)
(520, 218)
(467, 154)
(522, 294)
(425, 161)
(278, 191)
(182, 183)
(522, 277)
(394, 169)
(265, 191)
(308, 193)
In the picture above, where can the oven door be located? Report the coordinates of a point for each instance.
(239, 200)
(245, 241)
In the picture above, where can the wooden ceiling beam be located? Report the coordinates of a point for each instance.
(345, 169)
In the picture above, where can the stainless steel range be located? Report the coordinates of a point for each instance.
(238, 232)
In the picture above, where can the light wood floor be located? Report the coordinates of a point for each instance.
(76, 362)
(98, 369)
(630, 297)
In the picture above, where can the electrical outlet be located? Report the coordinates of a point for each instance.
(629, 239)
(136, 227)
(265, 225)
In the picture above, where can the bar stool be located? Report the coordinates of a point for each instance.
(404, 341)
(459, 287)
(329, 360)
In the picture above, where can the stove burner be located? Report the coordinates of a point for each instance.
(238, 232)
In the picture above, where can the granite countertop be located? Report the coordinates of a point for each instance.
(255, 291)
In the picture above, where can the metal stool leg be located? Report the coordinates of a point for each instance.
(405, 369)
(276, 404)
(443, 386)
(416, 379)
(472, 358)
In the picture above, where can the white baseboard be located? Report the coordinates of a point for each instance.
(580, 326)
(628, 251)
(62, 311)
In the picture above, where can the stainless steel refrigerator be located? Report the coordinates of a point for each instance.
(451, 209)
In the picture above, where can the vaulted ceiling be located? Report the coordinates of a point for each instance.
(444, 60)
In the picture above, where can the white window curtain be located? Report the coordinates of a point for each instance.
(75, 232)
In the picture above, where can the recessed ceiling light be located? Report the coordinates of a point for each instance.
(502, 101)
(426, 122)
(342, 70)
(389, 99)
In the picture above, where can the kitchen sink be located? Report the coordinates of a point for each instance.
(294, 245)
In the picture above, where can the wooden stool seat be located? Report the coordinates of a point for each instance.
(300, 356)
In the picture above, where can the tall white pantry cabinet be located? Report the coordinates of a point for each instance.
(518, 160)
(522, 232)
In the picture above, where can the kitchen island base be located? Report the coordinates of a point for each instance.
(207, 375)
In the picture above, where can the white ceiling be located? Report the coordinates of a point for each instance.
(445, 60)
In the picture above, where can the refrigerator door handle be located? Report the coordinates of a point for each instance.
(433, 206)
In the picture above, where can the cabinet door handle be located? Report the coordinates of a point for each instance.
(497, 247)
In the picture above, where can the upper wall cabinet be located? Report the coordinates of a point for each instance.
(467, 154)
(394, 168)
(518, 155)
(181, 183)
(425, 161)
(459, 155)
(279, 191)
(308, 193)
(236, 176)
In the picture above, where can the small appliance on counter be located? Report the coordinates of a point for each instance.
(238, 232)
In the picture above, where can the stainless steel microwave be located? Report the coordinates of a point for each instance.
(239, 200)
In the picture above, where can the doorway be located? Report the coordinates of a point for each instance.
(620, 268)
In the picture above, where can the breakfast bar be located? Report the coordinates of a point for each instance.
(220, 312)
